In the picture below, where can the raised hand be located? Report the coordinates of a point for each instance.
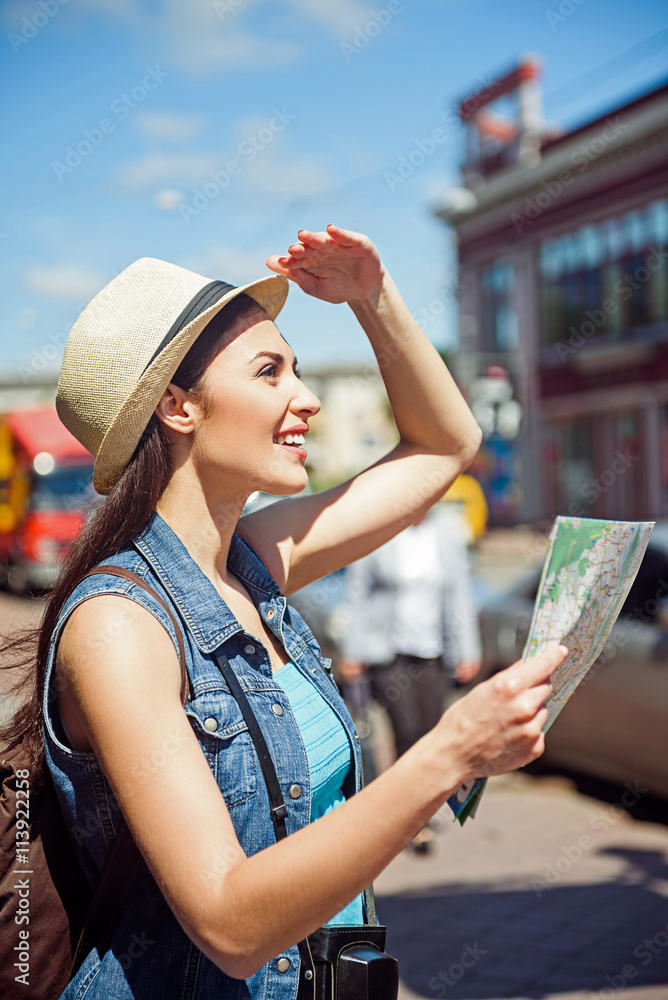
(336, 266)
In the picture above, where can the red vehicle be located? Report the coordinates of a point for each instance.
(46, 493)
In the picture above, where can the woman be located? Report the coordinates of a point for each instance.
(187, 394)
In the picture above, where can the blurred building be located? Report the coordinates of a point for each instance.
(353, 430)
(562, 271)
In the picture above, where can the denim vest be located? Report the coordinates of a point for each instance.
(150, 956)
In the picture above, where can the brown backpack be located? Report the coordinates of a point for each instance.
(49, 917)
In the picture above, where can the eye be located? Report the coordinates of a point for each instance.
(269, 370)
(298, 372)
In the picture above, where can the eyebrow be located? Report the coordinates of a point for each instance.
(274, 355)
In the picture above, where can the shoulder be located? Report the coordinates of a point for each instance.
(107, 613)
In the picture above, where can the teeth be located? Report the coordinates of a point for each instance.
(290, 439)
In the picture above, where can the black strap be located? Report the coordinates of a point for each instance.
(276, 801)
(124, 858)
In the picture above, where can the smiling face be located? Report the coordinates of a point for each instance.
(255, 406)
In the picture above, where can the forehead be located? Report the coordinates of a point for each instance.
(249, 336)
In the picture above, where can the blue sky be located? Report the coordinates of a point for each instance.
(313, 101)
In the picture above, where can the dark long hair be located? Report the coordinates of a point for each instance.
(113, 523)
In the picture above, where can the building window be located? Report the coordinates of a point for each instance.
(607, 279)
(569, 466)
(499, 313)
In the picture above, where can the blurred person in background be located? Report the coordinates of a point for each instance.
(413, 626)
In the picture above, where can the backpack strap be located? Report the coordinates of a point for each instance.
(124, 858)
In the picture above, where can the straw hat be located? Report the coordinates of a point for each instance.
(125, 347)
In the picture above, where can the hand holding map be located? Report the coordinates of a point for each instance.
(588, 571)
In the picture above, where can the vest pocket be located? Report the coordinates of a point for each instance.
(226, 744)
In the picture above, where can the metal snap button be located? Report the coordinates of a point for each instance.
(283, 964)
(277, 709)
(248, 648)
(295, 791)
(211, 725)
(308, 974)
(270, 614)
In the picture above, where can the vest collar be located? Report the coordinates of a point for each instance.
(201, 606)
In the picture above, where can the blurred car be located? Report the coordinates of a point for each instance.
(615, 726)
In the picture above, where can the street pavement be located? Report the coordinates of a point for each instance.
(545, 895)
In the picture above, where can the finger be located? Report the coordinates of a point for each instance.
(297, 249)
(284, 266)
(538, 668)
(274, 265)
(310, 239)
(532, 701)
(542, 717)
(346, 237)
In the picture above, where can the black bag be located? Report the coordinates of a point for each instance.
(337, 962)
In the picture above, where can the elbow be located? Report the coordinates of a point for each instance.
(469, 447)
(231, 957)
(230, 949)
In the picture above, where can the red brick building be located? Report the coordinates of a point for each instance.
(562, 270)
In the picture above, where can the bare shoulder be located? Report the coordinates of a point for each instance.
(111, 634)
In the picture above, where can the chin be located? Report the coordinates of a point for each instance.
(287, 489)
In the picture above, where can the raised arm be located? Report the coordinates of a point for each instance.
(438, 437)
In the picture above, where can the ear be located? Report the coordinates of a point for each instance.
(177, 410)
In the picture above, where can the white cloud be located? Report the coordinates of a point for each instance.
(167, 199)
(270, 171)
(340, 17)
(168, 125)
(67, 282)
(236, 266)
(205, 40)
(172, 168)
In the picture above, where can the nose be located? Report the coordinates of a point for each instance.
(304, 401)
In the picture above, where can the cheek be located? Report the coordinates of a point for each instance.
(237, 429)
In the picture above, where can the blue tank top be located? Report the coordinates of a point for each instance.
(328, 754)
